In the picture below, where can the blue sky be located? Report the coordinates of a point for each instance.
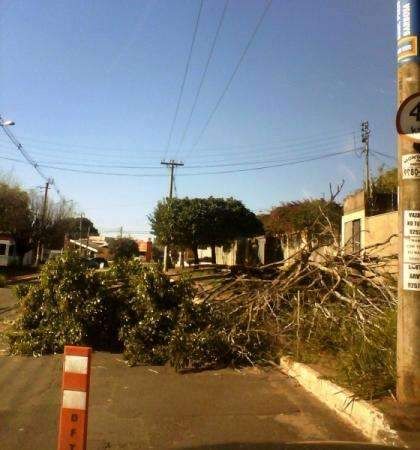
(93, 86)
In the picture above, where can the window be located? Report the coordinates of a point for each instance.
(2, 249)
(355, 238)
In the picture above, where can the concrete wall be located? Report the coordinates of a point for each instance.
(354, 202)
(379, 228)
(227, 257)
(374, 230)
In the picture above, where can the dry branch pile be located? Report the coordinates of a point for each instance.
(319, 302)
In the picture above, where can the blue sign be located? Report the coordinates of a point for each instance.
(408, 30)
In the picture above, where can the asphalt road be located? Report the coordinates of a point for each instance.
(157, 408)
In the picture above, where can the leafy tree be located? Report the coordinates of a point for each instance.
(70, 227)
(386, 182)
(201, 222)
(298, 216)
(16, 216)
(123, 248)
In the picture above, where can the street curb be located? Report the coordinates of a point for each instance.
(359, 413)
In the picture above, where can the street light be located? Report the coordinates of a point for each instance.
(6, 123)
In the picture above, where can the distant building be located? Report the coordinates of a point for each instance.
(8, 253)
(365, 224)
(95, 246)
(145, 249)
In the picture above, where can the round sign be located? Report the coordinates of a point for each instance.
(408, 118)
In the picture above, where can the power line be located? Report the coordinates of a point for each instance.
(73, 147)
(311, 151)
(231, 78)
(385, 155)
(251, 169)
(28, 157)
(181, 92)
(215, 157)
(329, 155)
(204, 74)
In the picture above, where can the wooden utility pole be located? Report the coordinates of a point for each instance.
(408, 125)
(80, 232)
(39, 247)
(171, 164)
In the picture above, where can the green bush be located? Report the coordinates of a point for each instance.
(2, 281)
(367, 363)
(70, 305)
(151, 311)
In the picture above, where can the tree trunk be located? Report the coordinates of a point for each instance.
(213, 253)
(182, 258)
(195, 252)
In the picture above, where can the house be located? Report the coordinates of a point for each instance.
(8, 255)
(95, 246)
(145, 249)
(367, 223)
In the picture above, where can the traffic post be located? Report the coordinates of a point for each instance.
(408, 127)
(72, 432)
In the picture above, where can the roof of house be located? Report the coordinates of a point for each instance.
(94, 245)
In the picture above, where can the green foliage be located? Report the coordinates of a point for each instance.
(201, 222)
(386, 181)
(72, 227)
(16, 216)
(150, 315)
(70, 305)
(302, 215)
(365, 355)
(123, 248)
(2, 281)
(367, 363)
(155, 319)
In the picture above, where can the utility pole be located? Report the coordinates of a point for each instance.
(121, 232)
(87, 242)
(171, 164)
(408, 125)
(365, 140)
(80, 232)
(39, 247)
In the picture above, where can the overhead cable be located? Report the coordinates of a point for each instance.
(184, 78)
(250, 169)
(28, 157)
(231, 78)
(203, 76)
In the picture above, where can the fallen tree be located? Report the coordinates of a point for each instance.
(316, 303)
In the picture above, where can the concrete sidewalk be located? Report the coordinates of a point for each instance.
(157, 408)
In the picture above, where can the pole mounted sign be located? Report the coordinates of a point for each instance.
(408, 31)
(408, 118)
(408, 127)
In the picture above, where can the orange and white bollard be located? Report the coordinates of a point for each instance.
(72, 433)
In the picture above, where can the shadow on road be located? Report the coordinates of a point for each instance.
(291, 446)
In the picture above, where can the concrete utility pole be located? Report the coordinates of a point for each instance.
(365, 140)
(408, 125)
(39, 247)
(171, 164)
